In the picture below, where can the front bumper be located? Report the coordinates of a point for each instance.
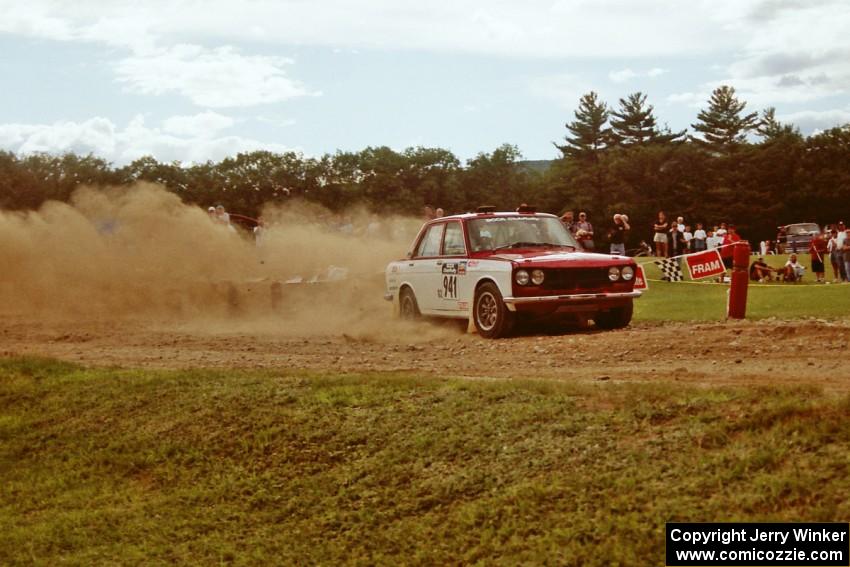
(575, 298)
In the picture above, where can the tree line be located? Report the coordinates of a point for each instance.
(734, 166)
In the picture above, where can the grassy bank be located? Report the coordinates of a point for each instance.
(109, 466)
(700, 301)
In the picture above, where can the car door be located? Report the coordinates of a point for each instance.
(453, 283)
(424, 269)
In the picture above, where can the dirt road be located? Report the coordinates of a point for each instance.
(763, 353)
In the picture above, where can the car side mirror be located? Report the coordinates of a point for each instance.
(409, 255)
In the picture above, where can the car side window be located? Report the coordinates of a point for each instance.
(430, 243)
(453, 243)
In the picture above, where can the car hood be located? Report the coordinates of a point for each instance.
(560, 259)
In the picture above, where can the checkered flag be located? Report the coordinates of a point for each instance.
(671, 269)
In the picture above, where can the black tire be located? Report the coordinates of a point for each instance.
(408, 308)
(616, 318)
(491, 315)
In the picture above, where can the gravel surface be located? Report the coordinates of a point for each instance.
(767, 352)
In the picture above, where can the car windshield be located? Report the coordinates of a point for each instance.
(503, 232)
(798, 229)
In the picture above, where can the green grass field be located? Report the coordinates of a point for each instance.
(237, 467)
(697, 301)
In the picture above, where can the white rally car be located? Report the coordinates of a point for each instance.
(498, 267)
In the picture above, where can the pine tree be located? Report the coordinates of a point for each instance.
(589, 133)
(722, 125)
(635, 124)
(770, 129)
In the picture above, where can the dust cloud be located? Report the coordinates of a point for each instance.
(141, 253)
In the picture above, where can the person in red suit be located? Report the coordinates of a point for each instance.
(726, 252)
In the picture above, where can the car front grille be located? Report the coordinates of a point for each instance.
(572, 279)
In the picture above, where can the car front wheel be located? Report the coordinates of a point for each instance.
(491, 315)
(616, 318)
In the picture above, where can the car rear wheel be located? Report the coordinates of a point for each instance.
(491, 315)
(407, 307)
(616, 318)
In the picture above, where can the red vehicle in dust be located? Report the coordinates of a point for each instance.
(497, 268)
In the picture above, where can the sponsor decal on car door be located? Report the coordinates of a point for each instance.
(453, 285)
(423, 270)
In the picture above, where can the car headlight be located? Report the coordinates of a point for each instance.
(521, 277)
(627, 273)
(613, 273)
(537, 277)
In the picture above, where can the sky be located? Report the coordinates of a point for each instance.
(202, 80)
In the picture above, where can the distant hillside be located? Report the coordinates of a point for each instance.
(537, 165)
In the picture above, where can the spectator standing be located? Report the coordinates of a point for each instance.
(260, 233)
(721, 232)
(842, 240)
(569, 222)
(677, 241)
(688, 238)
(223, 218)
(617, 234)
(835, 255)
(712, 241)
(681, 243)
(699, 241)
(428, 213)
(817, 251)
(660, 229)
(730, 237)
(584, 232)
(439, 213)
(845, 249)
(671, 238)
(781, 240)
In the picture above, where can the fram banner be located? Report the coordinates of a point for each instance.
(705, 264)
(640, 278)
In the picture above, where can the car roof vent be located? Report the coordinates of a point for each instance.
(526, 208)
(486, 209)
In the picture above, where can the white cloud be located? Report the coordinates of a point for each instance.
(622, 75)
(813, 120)
(179, 138)
(627, 74)
(202, 125)
(795, 52)
(764, 91)
(34, 19)
(692, 99)
(565, 89)
(277, 121)
(213, 78)
(97, 136)
(536, 28)
(772, 51)
(563, 28)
